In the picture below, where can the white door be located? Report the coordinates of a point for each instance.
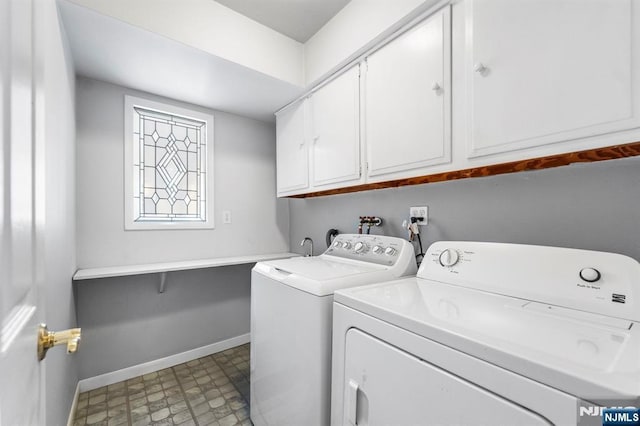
(292, 152)
(20, 390)
(414, 392)
(335, 137)
(407, 101)
(544, 71)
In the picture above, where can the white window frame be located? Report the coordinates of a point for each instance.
(130, 143)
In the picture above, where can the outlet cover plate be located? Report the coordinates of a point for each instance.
(422, 212)
(226, 216)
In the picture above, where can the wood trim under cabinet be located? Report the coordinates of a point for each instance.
(590, 155)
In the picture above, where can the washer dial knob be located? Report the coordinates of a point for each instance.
(590, 275)
(390, 251)
(449, 257)
(360, 247)
(337, 244)
(378, 250)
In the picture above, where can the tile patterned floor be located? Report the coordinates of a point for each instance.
(213, 390)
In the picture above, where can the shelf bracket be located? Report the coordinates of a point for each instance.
(163, 282)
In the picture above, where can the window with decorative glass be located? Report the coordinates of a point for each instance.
(168, 166)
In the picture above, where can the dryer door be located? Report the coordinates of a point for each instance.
(386, 386)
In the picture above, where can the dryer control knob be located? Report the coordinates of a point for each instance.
(337, 244)
(390, 251)
(590, 275)
(378, 250)
(346, 245)
(449, 257)
(360, 247)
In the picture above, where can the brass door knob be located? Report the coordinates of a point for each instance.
(48, 339)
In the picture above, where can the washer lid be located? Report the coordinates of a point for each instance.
(592, 356)
(322, 275)
(321, 269)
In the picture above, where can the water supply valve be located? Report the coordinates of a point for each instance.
(369, 221)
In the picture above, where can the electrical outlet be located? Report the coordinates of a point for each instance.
(226, 216)
(422, 212)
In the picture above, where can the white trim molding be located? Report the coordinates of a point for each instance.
(74, 405)
(159, 364)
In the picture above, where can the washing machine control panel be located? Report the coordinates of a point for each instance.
(378, 249)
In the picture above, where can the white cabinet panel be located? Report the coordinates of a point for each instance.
(386, 386)
(407, 100)
(546, 71)
(335, 127)
(292, 154)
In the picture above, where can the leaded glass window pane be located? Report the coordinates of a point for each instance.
(169, 167)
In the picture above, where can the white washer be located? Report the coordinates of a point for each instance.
(291, 308)
(490, 333)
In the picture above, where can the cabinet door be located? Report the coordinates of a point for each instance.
(335, 137)
(543, 71)
(407, 101)
(291, 149)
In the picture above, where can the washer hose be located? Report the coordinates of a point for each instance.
(331, 234)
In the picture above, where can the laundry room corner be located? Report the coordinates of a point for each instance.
(127, 321)
(319, 212)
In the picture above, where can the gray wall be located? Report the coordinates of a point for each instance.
(56, 120)
(592, 206)
(244, 151)
(125, 321)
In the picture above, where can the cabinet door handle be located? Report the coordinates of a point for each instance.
(480, 68)
(435, 87)
(315, 138)
(301, 144)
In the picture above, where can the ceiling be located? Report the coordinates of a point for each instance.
(142, 60)
(297, 19)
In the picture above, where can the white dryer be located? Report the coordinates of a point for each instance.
(490, 334)
(291, 311)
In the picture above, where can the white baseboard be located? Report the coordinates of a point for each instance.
(74, 405)
(159, 364)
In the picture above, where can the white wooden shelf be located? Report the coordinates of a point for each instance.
(151, 268)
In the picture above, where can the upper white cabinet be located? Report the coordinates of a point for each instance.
(292, 153)
(407, 101)
(530, 78)
(541, 72)
(335, 130)
(318, 139)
